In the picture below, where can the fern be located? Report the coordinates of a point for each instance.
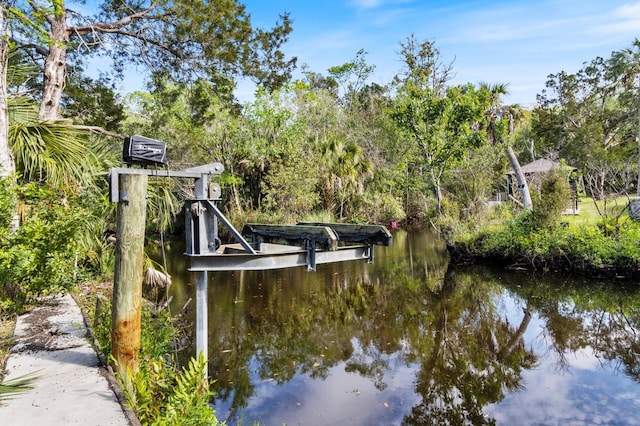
(164, 395)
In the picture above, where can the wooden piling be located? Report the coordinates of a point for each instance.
(129, 263)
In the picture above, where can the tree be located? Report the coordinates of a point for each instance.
(590, 117)
(269, 136)
(315, 82)
(423, 66)
(92, 103)
(346, 168)
(7, 166)
(442, 128)
(289, 187)
(423, 109)
(523, 187)
(188, 37)
(495, 114)
(352, 76)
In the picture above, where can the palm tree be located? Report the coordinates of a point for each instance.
(495, 112)
(347, 168)
(57, 152)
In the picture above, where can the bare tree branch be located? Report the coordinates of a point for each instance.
(105, 27)
(100, 131)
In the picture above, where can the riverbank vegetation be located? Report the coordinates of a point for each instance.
(420, 151)
(601, 241)
(607, 248)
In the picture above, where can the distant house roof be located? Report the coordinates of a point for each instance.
(542, 165)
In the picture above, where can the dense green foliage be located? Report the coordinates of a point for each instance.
(590, 118)
(608, 249)
(417, 151)
(39, 258)
(164, 396)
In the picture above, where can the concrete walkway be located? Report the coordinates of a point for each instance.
(72, 388)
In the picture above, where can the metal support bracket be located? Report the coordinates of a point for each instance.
(238, 237)
(369, 253)
(311, 255)
(192, 173)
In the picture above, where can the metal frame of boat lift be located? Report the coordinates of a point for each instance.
(269, 246)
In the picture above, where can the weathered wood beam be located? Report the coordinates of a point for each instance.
(293, 234)
(353, 233)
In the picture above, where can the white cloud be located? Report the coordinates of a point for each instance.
(628, 10)
(366, 4)
(624, 19)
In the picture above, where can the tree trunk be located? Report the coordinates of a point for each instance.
(638, 182)
(517, 337)
(7, 165)
(523, 187)
(600, 185)
(54, 67)
(437, 189)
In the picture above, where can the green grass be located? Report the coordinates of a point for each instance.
(591, 212)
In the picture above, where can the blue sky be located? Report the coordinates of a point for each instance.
(516, 42)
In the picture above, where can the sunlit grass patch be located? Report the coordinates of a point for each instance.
(590, 212)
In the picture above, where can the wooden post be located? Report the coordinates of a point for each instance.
(129, 263)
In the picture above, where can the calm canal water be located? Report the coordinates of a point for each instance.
(411, 340)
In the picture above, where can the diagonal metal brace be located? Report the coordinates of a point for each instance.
(239, 238)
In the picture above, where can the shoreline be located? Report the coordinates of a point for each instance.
(461, 254)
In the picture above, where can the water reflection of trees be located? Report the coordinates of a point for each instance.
(603, 316)
(469, 356)
(401, 308)
(448, 326)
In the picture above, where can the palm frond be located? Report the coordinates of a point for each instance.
(162, 204)
(154, 276)
(10, 388)
(155, 279)
(52, 151)
(20, 71)
(22, 109)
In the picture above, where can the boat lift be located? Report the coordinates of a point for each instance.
(257, 246)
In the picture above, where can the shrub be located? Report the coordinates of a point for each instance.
(7, 206)
(588, 249)
(162, 392)
(552, 199)
(376, 208)
(39, 258)
(289, 187)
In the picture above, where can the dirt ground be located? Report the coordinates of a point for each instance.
(7, 326)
